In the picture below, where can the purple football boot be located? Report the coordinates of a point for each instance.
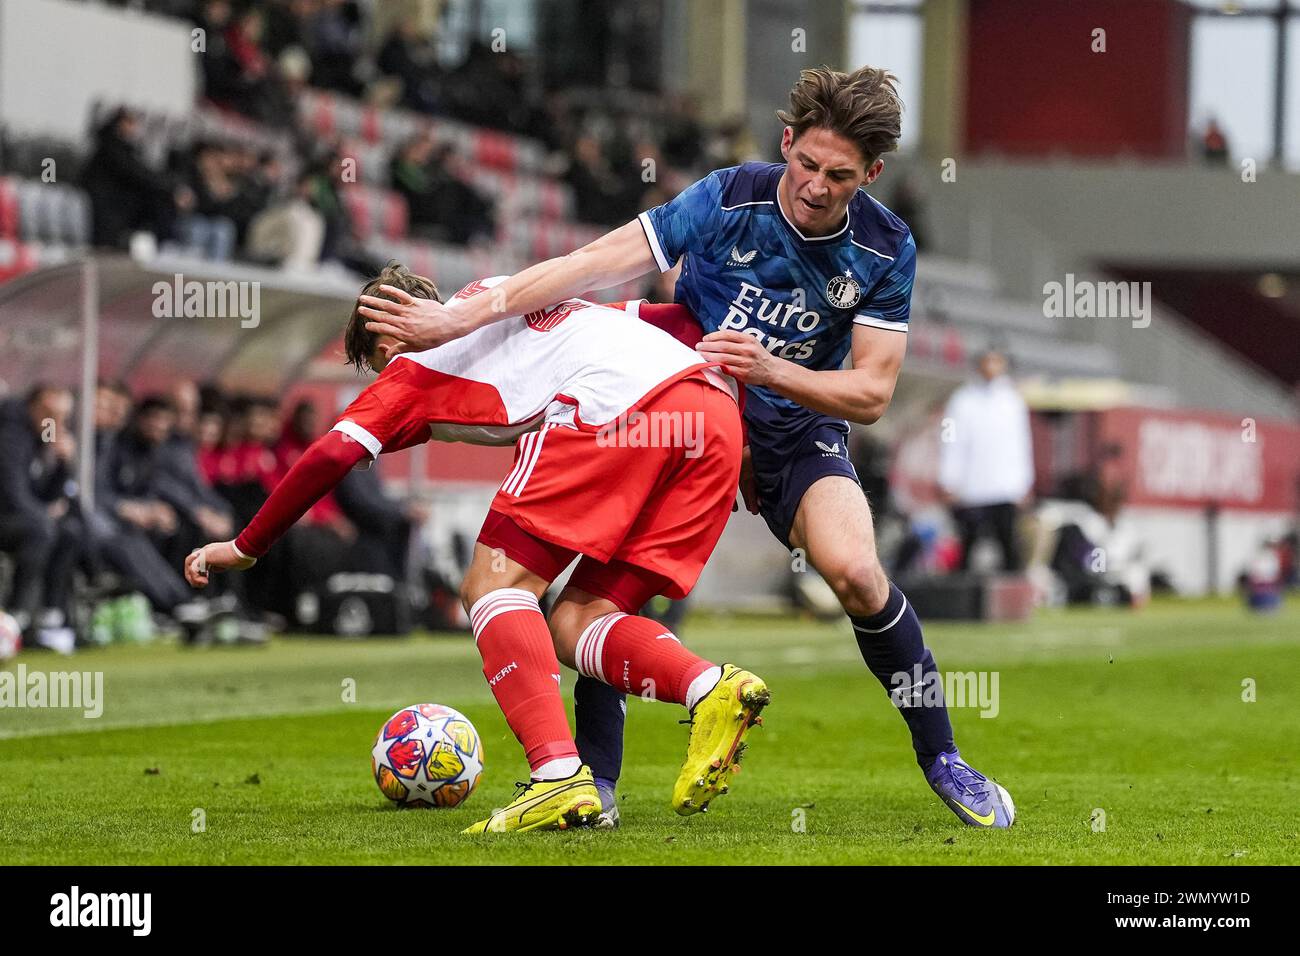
(977, 800)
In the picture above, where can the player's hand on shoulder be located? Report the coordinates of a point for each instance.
(417, 324)
(740, 356)
(217, 556)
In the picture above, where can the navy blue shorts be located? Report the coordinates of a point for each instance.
(789, 454)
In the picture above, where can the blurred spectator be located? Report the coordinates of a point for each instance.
(290, 233)
(239, 73)
(127, 487)
(138, 533)
(180, 483)
(384, 526)
(255, 464)
(209, 227)
(986, 462)
(221, 74)
(334, 43)
(907, 205)
(1263, 579)
(441, 205)
(644, 190)
(112, 409)
(38, 525)
(1289, 555)
(1094, 555)
(286, 24)
(321, 186)
(488, 89)
(683, 139)
(409, 57)
(261, 179)
(232, 184)
(558, 124)
(301, 428)
(208, 434)
(316, 547)
(125, 194)
(242, 468)
(731, 144)
(597, 195)
(244, 40)
(1214, 144)
(294, 66)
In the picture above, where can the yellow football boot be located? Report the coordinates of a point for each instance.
(719, 723)
(547, 805)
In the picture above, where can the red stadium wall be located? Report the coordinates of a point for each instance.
(1191, 459)
(1036, 88)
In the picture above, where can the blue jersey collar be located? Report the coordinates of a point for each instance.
(793, 228)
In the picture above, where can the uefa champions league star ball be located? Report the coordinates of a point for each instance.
(427, 755)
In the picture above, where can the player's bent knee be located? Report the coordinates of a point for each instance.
(572, 614)
(478, 583)
(861, 586)
(487, 572)
(565, 622)
(468, 595)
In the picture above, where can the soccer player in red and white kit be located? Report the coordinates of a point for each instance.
(567, 383)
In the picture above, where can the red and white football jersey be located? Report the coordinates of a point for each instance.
(578, 363)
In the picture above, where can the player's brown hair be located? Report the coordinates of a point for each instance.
(359, 344)
(862, 106)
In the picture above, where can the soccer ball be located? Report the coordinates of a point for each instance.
(427, 755)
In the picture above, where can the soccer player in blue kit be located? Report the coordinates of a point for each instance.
(790, 268)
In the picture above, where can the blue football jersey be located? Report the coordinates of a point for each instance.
(746, 267)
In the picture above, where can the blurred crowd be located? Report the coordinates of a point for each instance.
(229, 199)
(221, 200)
(172, 472)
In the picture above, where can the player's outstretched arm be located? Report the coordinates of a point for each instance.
(420, 324)
(322, 466)
(860, 394)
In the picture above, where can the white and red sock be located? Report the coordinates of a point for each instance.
(640, 656)
(523, 672)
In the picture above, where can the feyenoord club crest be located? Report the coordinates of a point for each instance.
(843, 292)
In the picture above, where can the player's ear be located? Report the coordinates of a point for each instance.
(379, 358)
(787, 140)
(873, 172)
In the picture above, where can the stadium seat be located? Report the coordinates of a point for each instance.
(40, 212)
(372, 161)
(376, 212)
(451, 267)
(524, 194)
(536, 238)
(396, 126)
(31, 210)
(8, 208)
(319, 110)
(329, 114)
(494, 149)
(17, 258)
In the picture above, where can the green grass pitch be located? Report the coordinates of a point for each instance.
(1139, 715)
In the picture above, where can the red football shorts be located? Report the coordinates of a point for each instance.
(644, 499)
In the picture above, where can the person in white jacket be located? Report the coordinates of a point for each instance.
(986, 459)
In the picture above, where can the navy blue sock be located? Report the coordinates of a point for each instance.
(894, 650)
(599, 712)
